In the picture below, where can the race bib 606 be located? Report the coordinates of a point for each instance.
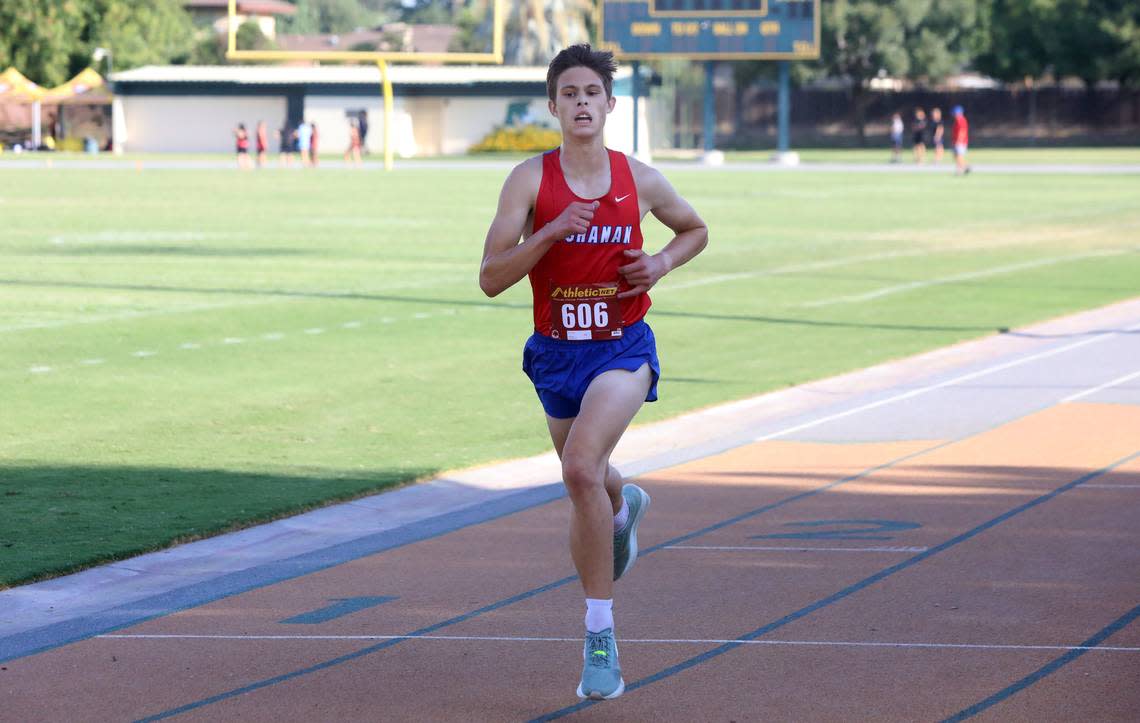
(585, 312)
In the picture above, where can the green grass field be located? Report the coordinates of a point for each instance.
(186, 352)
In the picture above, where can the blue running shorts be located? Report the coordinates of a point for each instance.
(561, 370)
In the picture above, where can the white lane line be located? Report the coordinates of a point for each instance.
(142, 354)
(629, 641)
(796, 549)
(39, 369)
(273, 336)
(1106, 385)
(315, 330)
(351, 325)
(996, 271)
(919, 391)
(233, 340)
(190, 345)
(387, 320)
(92, 362)
(421, 315)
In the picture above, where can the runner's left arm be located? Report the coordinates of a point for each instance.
(691, 232)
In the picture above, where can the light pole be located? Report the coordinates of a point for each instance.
(100, 53)
(118, 129)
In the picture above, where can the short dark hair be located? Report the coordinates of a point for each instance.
(599, 61)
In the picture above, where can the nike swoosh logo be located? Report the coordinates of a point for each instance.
(622, 198)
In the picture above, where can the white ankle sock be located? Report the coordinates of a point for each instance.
(599, 614)
(622, 516)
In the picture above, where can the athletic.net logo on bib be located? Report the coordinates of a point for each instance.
(585, 312)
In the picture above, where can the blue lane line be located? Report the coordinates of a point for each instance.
(528, 594)
(353, 655)
(340, 607)
(845, 592)
(1104, 633)
(33, 642)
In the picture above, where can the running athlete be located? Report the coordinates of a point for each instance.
(592, 358)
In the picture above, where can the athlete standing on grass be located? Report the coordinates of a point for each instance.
(593, 360)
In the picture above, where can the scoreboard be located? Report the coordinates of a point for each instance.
(710, 29)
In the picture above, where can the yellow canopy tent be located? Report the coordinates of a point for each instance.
(81, 116)
(15, 88)
(87, 88)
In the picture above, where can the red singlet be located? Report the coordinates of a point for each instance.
(592, 257)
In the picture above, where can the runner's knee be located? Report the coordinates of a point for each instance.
(581, 475)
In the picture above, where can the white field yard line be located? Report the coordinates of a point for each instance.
(1102, 387)
(284, 296)
(919, 391)
(129, 236)
(625, 641)
(790, 269)
(864, 258)
(129, 315)
(967, 276)
(235, 341)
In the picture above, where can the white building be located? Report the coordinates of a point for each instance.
(439, 110)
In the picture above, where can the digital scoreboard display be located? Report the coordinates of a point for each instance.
(711, 29)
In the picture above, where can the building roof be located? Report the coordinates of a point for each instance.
(332, 74)
(244, 7)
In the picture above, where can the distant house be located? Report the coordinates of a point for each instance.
(394, 37)
(213, 13)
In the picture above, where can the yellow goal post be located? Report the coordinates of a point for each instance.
(380, 57)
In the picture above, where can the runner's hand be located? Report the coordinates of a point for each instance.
(574, 219)
(643, 272)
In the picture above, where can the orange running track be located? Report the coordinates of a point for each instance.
(856, 567)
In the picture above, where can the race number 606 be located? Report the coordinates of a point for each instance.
(585, 316)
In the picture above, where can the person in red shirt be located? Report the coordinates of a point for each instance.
(262, 143)
(570, 221)
(960, 136)
(241, 137)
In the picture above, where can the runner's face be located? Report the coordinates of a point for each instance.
(581, 104)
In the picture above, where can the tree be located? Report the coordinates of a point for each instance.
(537, 29)
(39, 36)
(140, 32)
(1014, 41)
(1096, 40)
(330, 16)
(859, 40)
(941, 36)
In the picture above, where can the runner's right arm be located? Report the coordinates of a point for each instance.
(505, 260)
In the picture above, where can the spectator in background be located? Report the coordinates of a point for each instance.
(918, 135)
(896, 137)
(960, 135)
(305, 142)
(313, 152)
(262, 143)
(286, 143)
(363, 125)
(241, 135)
(937, 131)
(352, 153)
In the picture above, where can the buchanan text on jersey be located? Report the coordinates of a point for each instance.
(607, 235)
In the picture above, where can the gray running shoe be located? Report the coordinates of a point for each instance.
(601, 673)
(625, 541)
